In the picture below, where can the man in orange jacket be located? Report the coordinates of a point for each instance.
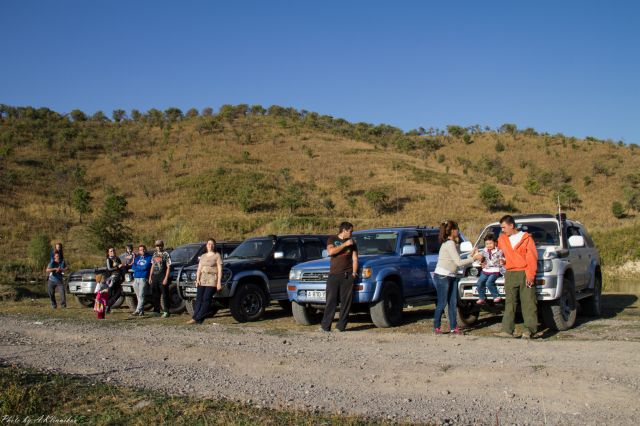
(521, 262)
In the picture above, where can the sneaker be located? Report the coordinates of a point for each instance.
(437, 331)
(341, 330)
(497, 300)
(191, 321)
(322, 330)
(155, 314)
(504, 334)
(134, 314)
(166, 315)
(526, 334)
(481, 302)
(457, 332)
(141, 313)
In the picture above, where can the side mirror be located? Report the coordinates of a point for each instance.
(408, 250)
(325, 253)
(466, 247)
(576, 241)
(278, 255)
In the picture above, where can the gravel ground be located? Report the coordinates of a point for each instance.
(403, 376)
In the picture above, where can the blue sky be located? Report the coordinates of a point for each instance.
(558, 66)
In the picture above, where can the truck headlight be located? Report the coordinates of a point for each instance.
(295, 274)
(192, 276)
(547, 265)
(184, 276)
(474, 272)
(366, 272)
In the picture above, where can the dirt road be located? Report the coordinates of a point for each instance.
(400, 376)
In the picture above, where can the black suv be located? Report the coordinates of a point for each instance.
(255, 273)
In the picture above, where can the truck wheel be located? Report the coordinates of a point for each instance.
(305, 315)
(387, 312)
(248, 304)
(285, 305)
(177, 304)
(592, 306)
(560, 314)
(131, 302)
(467, 313)
(119, 302)
(86, 302)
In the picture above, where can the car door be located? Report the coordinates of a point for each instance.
(279, 270)
(578, 256)
(413, 267)
(432, 249)
(590, 256)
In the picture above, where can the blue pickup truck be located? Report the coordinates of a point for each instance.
(396, 267)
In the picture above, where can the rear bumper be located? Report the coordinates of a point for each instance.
(82, 287)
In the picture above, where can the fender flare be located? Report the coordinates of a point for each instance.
(381, 276)
(235, 282)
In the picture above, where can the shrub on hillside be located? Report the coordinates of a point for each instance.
(617, 209)
(38, 251)
(377, 198)
(500, 146)
(108, 229)
(532, 186)
(568, 196)
(491, 196)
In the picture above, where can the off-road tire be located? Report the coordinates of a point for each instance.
(131, 302)
(467, 313)
(248, 303)
(387, 312)
(305, 315)
(177, 303)
(592, 306)
(560, 314)
(86, 302)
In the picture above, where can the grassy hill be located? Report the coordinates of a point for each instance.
(248, 171)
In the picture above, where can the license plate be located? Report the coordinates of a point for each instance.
(316, 295)
(77, 288)
(487, 292)
(127, 289)
(190, 290)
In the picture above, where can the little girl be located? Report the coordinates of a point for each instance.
(102, 295)
(490, 270)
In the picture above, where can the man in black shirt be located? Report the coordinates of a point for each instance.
(343, 270)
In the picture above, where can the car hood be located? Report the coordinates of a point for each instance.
(233, 264)
(324, 263)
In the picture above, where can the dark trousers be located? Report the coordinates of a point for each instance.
(203, 302)
(158, 289)
(338, 286)
(115, 290)
(51, 289)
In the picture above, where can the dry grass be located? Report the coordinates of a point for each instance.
(421, 189)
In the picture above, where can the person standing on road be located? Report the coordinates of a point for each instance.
(55, 269)
(445, 275)
(343, 270)
(208, 281)
(141, 269)
(159, 279)
(114, 277)
(521, 262)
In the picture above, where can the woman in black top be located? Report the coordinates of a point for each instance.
(113, 277)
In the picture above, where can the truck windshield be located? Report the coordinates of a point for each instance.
(376, 242)
(184, 254)
(543, 233)
(256, 248)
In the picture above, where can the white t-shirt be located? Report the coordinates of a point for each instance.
(515, 238)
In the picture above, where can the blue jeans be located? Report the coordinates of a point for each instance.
(487, 281)
(447, 288)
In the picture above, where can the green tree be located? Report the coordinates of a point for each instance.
(467, 139)
(99, 117)
(136, 115)
(81, 201)
(108, 228)
(77, 115)
(258, 110)
(617, 209)
(532, 186)
(38, 251)
(207, 112)
(293, 198)
(118, 115)
(191, 113)
(377, 198)
(173, 114)
(508, 128)
(491, 196)
(456, 131)
(155, 117)
(499, 146)
(568, 196)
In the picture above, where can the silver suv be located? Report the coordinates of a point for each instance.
(568, 272)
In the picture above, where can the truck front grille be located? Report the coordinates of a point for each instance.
(314, 276)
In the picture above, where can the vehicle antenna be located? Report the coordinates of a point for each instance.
(560, 220)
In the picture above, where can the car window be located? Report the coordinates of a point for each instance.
(413, 239)
(433, 244)
(313, 248)
(543, 233)
(290, 248)
(184, 254)
(376, 242)
(256, 248)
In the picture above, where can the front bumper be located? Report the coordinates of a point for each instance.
(546, 286)
(315, 292)
(82, 287)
